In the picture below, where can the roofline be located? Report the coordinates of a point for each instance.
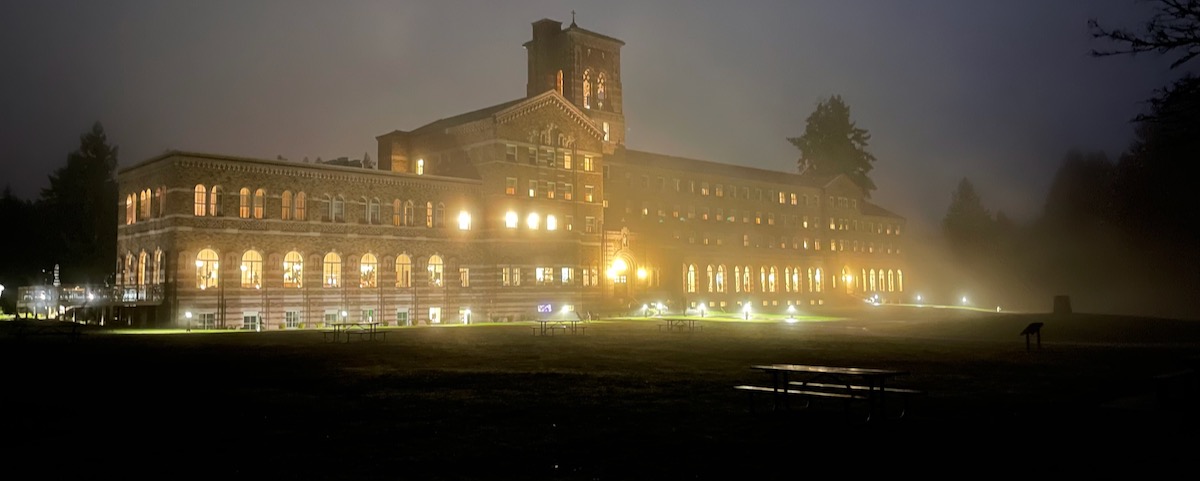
(288, 163)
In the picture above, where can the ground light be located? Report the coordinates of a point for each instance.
(791, 314)
(746, 309)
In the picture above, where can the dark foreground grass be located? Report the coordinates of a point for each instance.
(623, 401)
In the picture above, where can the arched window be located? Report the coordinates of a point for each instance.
(771, 278)
(429, 214)
(127, 272)
(746, 277)
(143, 260)
(331, 270)
(891, 281)
(160, 270)
(600, 91)
(244, 203)
(260, 199)
(720, 281)
(144, 205)
(690, 278)
(435, 270)
(587, 89)
(368, 269)
(817, 281)
(338, 209)
(403, 271)
(214, 201)
(439, 215)
(900, 281)
(872, 284)
(286, 199)
(737, 279)
(397, 213)
(252, 266)
(293, 270)
(206, 269)
(373, 212)
(410, 214)
(130, 209)
(710, 277)
(300, 206)
(201, 200)
(762, 279)
(420, 166)
(160, 201)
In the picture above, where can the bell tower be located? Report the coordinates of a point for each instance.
(583, 66)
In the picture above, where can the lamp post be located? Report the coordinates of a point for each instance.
(746, 310)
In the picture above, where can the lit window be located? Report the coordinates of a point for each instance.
(331, 270)
(252, 269)
(551, 222)
(567, 161)
(299, 206)
(544, 275)
(551, 187)
(420, 166)
(397, 213)
(464, 220)
(510, 220)
(403, 271)
(206, 269)
(201, 199)
(144, 205)
(532, 221)
(510, 186)
(214, 201)
(587, 89)
(589, 193)
(429, 214)
(464, 276)
(286, 201)
(606, 136)
(600, 92)
(568, 276)
(293, 265)
(435, 270)
(690, 278)
(587, 163)
(142, 265)
(244, 204)
(533, 185)
(259, 203)
(367, 270)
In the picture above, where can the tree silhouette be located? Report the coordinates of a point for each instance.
(968, 226)
(1174, 27)
(832, 145)
(81, 210)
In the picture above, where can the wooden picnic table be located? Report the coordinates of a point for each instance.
(679, 324)
(548, 326)
(343, 330)
(850, 382)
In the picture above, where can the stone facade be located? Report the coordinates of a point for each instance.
(554, 211)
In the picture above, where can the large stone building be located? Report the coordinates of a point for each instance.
(501, 213)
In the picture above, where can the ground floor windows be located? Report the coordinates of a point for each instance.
(291, 320)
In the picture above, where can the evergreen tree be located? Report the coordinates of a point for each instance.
(968, 226)
(81, 210)
(832, 144)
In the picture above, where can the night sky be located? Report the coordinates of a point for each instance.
(993, 91)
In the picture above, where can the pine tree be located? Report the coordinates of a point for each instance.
(81, 210)
(832, 145)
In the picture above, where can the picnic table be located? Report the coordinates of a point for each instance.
(679, 324)
(834, 382)
(367, 331)
(547, 327)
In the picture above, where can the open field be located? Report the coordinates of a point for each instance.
(623, 401)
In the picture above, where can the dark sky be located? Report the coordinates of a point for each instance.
(993, 91)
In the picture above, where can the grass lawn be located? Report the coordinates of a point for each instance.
(625, 400)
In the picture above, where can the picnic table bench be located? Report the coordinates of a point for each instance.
(849, 385)
(344, 331)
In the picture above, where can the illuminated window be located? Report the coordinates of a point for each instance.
(420, 166)
(141, 268)
(589, 225)
(533, 221)
(435, 269)
(533, 186)
(252, 264)
(510, 186)
(410, 215)
(567, 161)
(746, 277)
(690, 278)
(604, 126)
(201, 200)
(737, 279)
(551, 187)
(589, 193)
(587, 164)
(544, 276)
(331, 270)
(558, 82)
(568, 191)
(429, 215)
(293, 267)
(510, 276)
(130, 209)
(397, 213)
(464, 220)
(771, 278)
(207, 273)
(711, 278)
(464, 276)
(403, 271)
(300, 212)
(144, 205)
(719, 281)
(510, 220)
(286, 202)
(600, 93)
(551, 222)
(161, 192)
(587, 89)
(368, 269)
(259, 203)
(244, 203)
(567, 276)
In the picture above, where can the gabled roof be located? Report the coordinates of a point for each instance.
(514, 108)
(670, 162)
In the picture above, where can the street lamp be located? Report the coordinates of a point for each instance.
(188, 315)
(791, 313)
(746, 310)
